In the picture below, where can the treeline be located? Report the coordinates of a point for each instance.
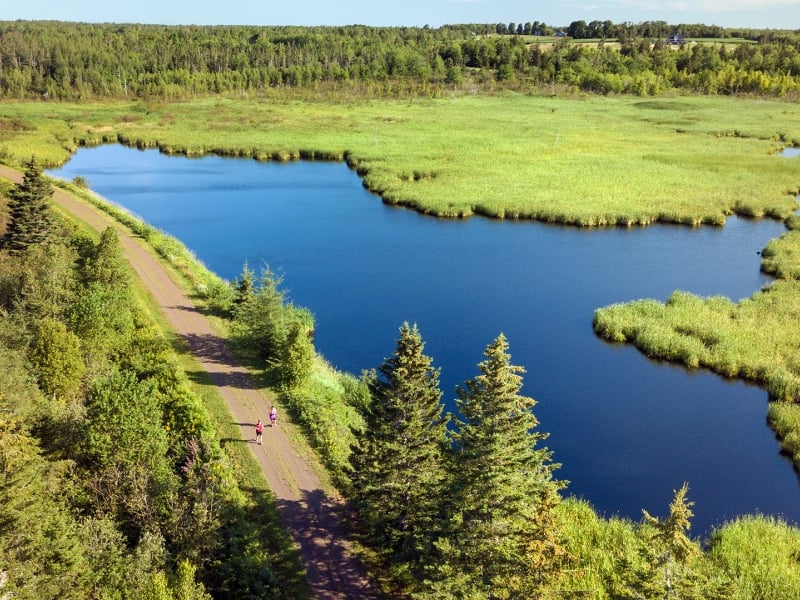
(652, 30)
(73, 61)
(113, 482)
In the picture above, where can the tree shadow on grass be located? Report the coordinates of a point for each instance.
(259, 556)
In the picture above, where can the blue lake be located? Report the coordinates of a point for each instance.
(627, 431)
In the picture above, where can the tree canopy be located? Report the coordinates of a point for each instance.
(76, 61)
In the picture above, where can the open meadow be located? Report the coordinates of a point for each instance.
(587, 161)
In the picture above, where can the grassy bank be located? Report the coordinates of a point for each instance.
(588, 161)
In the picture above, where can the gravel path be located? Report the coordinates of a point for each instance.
(307, 511)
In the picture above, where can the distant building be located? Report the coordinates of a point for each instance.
(676, 39)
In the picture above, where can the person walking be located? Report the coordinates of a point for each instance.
(273, 416)
(259, 431)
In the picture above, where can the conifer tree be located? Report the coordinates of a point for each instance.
(397, 462)
(107, 264)
(672, 568)
(503, 539)
(32, 219)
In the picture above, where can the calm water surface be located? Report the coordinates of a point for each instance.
(628, 431)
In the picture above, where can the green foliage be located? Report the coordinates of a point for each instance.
(244, 287)
(275, 331)
(32, 220)
(40, 549)
(503, 538)
(102, 317)
(322, 406)
(781, 257)
(81, 182)
(39, 282)
(107, 264)
(760, 554)
(672, 568)
(261, 320)
(57, 360)
(205, 488)
(125, 453)
(670, 533)
(784, 418)
(294, 358)
(79, 60)
(397, 462)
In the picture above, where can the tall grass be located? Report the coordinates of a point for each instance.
(761, 555)
(757, 339)
(586, 161)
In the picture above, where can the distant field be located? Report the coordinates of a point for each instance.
(588, 161)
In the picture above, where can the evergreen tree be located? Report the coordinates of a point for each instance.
(244, 288)
(32, 219)
(503, 539)
(397, 462)
(672, 565)
(40, 553)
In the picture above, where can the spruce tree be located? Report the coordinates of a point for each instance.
(32, 219)
(397, 462)
(503, 539)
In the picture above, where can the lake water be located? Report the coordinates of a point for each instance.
(627, 431)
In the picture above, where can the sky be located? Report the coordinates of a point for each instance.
(757, 14)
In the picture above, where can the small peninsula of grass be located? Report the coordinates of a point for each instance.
(757, 339)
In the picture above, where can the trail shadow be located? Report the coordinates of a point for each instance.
(209, 347)
(185, 308)
(333, 570)
(237, 380)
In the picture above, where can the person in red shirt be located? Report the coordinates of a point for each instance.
(259, 431)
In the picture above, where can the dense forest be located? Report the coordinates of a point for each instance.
(71, 61)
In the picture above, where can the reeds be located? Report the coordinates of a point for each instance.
(759, 553)
(587, 162)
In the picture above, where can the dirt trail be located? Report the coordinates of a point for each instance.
(309, 514)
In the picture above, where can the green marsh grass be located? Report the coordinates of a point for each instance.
(757, 339)
(587, 161)
(761, 555)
